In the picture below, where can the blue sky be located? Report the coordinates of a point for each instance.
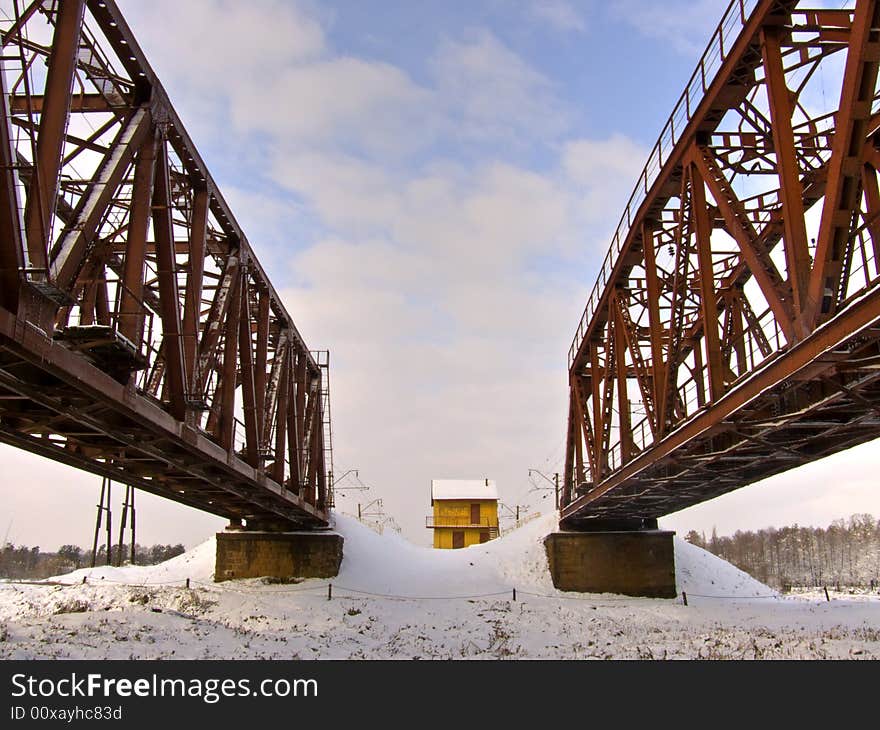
(431, 186)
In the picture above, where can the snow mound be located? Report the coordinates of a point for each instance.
(388, 565)
(699, 572)
(196, 564)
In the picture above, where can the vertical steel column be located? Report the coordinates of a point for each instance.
(89, 282)
(652, 284)
(98, 520)
(300, 414)
(598, 409)
(226, 422)
(583, 429)
(623, 413)
(11, 242)
(214, 325)
(109, 524)
(576, 434)
(308, 438)
(844, 167)
(281, 416)
(295, 401)
(318, 456)
(797, 255)
(261, 360)
(163, 229)
(43, 188)
(699, 375)
(316, 487)
(872, 205)
(131, 307)
(571, 479)
(708, 296)
(739, 334)
(249, 396)
(127, 508)
(192, 303)
(102, 299)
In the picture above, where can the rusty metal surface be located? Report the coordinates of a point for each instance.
(140, 338)
(734, 330)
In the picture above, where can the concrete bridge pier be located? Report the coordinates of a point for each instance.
(630, 557)
(262, 550)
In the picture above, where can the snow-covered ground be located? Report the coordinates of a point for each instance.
(393, 599)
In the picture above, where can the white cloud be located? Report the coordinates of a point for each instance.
(209, 44)
(207, 52)
(358, 292)
(685, 24)
(478, 213)
(369, 105)
(558, 14)
(593, 163)
(271, 68)
(605, 172)
(347, 193)
(268, 66)
(493, 94)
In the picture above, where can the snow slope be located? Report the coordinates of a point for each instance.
(196, 564)
(389, 565)
(393, 599)
(700, 573)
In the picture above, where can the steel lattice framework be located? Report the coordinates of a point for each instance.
(140, 338)
(733, 332)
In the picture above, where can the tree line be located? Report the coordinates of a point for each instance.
(847, 552)
(31, 563)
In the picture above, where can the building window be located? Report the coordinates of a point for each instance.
(484, 537)
(458, 539)
(475, 514)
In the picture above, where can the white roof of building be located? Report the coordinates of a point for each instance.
(463, 489)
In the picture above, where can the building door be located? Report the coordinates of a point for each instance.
(458, 539)
(475, 514)
(484, 537)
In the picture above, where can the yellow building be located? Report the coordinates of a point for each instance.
(465, 512)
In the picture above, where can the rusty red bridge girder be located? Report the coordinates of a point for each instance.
(140, 338)
(734, 330)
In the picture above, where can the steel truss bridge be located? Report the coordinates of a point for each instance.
(140, 339)
(734, 330)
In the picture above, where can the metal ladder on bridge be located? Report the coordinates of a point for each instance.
(322, 358)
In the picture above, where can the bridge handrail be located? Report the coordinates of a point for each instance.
(733, 21)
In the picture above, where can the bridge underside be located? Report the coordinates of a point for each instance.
(821, 398)
(56, 404)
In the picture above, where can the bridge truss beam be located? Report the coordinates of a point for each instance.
(734, 331)
(140, 338)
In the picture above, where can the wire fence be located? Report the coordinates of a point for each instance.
(335, 590)
(731, 598)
